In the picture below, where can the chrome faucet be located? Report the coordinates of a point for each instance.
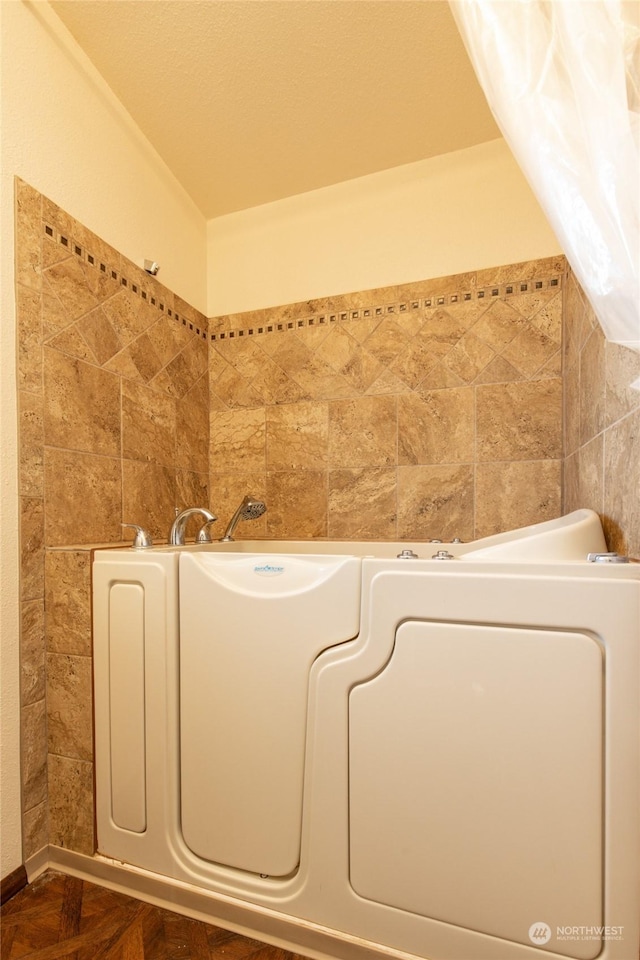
(176, 534)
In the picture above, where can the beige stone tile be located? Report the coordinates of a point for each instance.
(622, 483)
(35, 829)
(68, 601)
(468, 358)
(32, 650)
(364, 326)
(227, 491)
(57, 217)
(273, 386)
(337, 348)
(68, 282)
(543, 268)
(440, 378)
(435, 501)
(29, 329)
(548, 318)
(234, 391)
(82, 405)
(417, 360)
(498, 371)
(571, 403)
(149, 496)
(52, 251)
(592, 387)
(127, 320)
(288, 351)
(148, 363)
(436, 427)
(97, 330)
(519, 421)
(621, 370)
(168, 337)
(387, 341)
(296, 504)
(83, 499)
(499, 324)
(443, 329)
(363, 432)
(530, 350)
(28, 257)
(55, 319)
(584, 477)
(71, 804)
(387, 382)
(33, 748)
(72, 343)
(238, 440)
(362, 503)
(31, 445)
(552, 368)
(574, 310)
(244, 355)
(297, 436)
(124, 366)
(101, 283)
(69, 706)
(362, 370)
(31, 548)
(571, 482)
(192, 428)
(510, 495)
(149, 422)
(319, 382)
(192, 490)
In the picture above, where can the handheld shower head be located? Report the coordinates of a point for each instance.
(249, 509)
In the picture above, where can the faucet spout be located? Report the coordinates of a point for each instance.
(178, 527)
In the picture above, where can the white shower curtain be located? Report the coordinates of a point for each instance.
(562, 78)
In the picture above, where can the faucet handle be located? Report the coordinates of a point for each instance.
(204, 534)
(141, 539)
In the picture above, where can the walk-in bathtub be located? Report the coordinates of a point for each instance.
(361, 754)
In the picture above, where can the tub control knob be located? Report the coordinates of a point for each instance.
(442, 555)
(407, 555)
(141, 540)
(606, 558)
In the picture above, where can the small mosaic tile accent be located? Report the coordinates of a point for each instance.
(380, 310)
(90, 259)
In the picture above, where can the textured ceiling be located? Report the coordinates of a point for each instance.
(250, 101)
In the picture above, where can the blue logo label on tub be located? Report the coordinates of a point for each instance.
(268, 570)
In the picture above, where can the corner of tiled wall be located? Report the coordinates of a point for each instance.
(601, 424)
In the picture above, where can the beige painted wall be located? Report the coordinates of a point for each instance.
(450, 214)
(64, 132)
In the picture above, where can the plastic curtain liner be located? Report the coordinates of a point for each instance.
(562, 78)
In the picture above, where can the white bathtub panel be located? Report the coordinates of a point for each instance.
(251, 628)
(127, 706)
(476, 779)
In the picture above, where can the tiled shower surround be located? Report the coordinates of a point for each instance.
(432, 409)
(429, 410)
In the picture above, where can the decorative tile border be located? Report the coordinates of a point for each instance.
(89, 258)
(503, 291)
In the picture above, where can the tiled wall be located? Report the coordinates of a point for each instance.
(602, 425)
(432, 409)
(113, 403)
(428, 410)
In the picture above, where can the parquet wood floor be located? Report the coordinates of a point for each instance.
(58, 916)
